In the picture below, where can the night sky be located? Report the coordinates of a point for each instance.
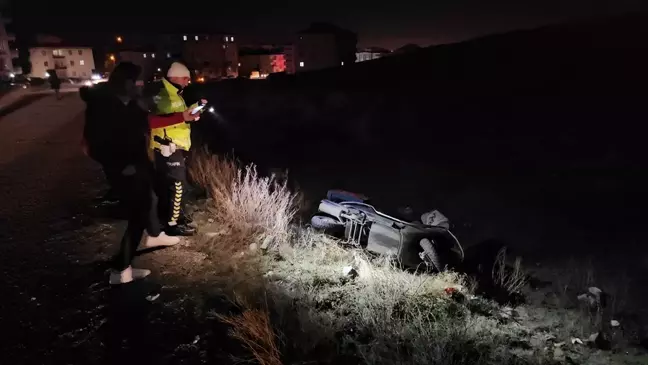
(390, 26)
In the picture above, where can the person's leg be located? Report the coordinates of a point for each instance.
(161, 185)
(176, 180)
(122, 271)
(113, 177)
(155, 236)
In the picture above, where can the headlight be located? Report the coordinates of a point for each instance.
(88, 83)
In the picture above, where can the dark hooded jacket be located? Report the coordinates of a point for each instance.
(115, 132)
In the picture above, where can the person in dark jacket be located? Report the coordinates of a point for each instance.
(116, 134)
(55, 82)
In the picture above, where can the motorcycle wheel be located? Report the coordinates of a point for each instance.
(430, 255)
(328, 225)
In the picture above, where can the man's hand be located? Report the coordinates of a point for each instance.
(188, 117)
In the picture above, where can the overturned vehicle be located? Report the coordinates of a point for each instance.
(427, 244)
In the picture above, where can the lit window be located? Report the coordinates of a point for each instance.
(224, 46)
(301, 64)
(82, 62)
(144, 55)
(159, 69)
(239, 64)
(153, 55)
(168, 55)
(342, 63)
(184, 37)
(232, 39)
(226, 39)
(196, 37)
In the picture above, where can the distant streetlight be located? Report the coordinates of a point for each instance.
(119, 39)
(12, 75)
(112, 57)
(159, 69)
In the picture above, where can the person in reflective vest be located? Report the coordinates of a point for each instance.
(170, 142)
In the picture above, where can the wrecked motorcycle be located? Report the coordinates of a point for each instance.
(350, 217)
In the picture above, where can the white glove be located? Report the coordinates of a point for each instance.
(173, 147)
(165, 150)
(129, 170)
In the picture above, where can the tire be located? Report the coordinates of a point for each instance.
(430, 254)
(327, 224)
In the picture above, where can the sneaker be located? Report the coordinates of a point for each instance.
(180, 230)
(185, 220)
(127, 275)
(162, 240)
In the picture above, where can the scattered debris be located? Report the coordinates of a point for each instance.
(559, 344)
(267, 242)
(435, 218)
(253, 246)
(196, 339)
(152, 297)
(210, 220)
(576, 340)
(506, 313)
(595, 291)
(450, 290)
(349, 272)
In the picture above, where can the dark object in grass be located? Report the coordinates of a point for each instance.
(412, 244)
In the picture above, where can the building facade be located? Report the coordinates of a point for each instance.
(211, 56)
(151, 63)
(8, 51)
(324, 46)
(68, 62)
(261, 61)
(369, 54)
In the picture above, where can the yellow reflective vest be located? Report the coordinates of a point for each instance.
(167, 101)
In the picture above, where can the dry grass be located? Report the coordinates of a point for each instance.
(384, 315)
(242, 200)
(298, 305)
(254, 330)
(513, 278)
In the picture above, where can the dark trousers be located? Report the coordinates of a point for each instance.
(171, 182)
(114, 178)
(140, 201)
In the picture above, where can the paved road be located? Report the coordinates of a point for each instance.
(55, 304)
(44, 180)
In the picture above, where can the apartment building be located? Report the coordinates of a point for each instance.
(152, 63)
(324, 46)
(68, 62)
(211, 56)
(8, 52)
